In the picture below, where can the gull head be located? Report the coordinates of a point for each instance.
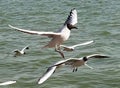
(85, 58)
(72, 19)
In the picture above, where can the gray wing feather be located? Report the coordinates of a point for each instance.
(49, 34)
(47, 74)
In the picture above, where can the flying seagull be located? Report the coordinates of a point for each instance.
(71, 48)
(73, 62)
(20, 52)
(57, 37)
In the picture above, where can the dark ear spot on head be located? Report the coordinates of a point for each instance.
(85, 58)
(71, 26)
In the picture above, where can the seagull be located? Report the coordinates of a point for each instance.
(61, 35)
(73, 62)
(7, 83)
(71, 48)
(20, 52)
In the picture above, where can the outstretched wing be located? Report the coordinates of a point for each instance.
(72, 17)
(97, 56)
(26, 47)
(81, 44)
(7, 83)
(47, 74)
(49, 34)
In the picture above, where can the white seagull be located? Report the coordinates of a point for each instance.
(7, 83)
(71, 48)
(73, 62)
(57, 37)
(20, 52)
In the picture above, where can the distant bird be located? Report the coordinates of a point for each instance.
(74, 62)
(71, 48)
(20, 52)
(57, 37)
(7, 83)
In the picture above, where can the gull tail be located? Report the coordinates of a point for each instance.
(47, 74)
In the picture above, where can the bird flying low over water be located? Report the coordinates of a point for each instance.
(73, 62)
(71, 48)
(20, 52)
(57, 37)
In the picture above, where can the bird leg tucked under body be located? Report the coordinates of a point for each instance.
(57, 49)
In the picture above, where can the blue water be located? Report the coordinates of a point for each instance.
(98, 20)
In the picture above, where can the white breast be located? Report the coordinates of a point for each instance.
(65, 33)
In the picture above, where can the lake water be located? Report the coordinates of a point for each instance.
(98, 20)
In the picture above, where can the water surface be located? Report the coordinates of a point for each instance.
(98, 20)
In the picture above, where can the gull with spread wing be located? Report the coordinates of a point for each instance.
(20, 52)
(57, 37)
(71, 48)
(73, 62)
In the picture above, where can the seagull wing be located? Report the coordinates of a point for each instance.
(47, 74)
(72, 17)
(7, 83)
(97, 56)
(24, 48)
(81, 44)
(49, 34)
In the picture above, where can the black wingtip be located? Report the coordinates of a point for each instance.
(27, 47)
(102, 56)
